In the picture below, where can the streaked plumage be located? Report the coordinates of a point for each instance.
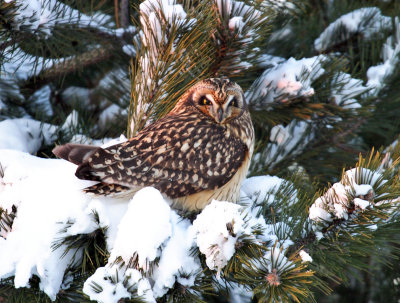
(198, 152)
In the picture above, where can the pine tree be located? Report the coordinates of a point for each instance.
(320, 78)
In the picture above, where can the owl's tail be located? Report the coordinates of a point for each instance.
(75, 153)
(78, 154)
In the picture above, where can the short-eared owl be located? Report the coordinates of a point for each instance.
(198, 152)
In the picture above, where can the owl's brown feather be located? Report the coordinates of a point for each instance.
(200, 151)
(176, 163)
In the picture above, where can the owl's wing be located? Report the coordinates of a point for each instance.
(178, 155)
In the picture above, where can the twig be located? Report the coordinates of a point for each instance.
(124, 13)
(116, 12)
(351, 129)
(307, 240)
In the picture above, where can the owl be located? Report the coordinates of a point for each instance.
(198, 152)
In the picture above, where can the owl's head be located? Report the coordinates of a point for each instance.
(220, 99)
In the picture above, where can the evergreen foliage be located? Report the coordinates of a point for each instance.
(323, 97)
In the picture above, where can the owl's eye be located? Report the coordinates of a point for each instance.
(234, 102)
(204, 101)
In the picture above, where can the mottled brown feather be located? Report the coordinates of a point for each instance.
(177, 163)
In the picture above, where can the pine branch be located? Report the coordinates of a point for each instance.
(6, 219)
(167, 61)
(92, 246)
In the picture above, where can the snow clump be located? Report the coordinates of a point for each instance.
(25, 134)
(217, 229)
(290, 78)
(367, 21)
(344, 198)
(391, 49)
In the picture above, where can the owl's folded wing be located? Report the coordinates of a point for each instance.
(176, 162)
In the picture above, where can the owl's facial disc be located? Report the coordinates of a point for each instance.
(220, 110)
(210, 107)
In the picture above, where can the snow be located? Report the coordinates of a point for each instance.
(144, 226)
(291, 77)
(176, 258)
(41, 98)
(129, 50)
(44, 16)
(113, 291)
(284, 80)
(71, 123)
(51, 208)
(261, 187)
(108, 142)
(377, 74)
(109, 212)
(104, 142)
(239, 294)
(276, 261)
(283, 5)
(356, 175)
(147, 224)
(156, 18)
(236, 23)
(109, 114)
(151, 11)
(279, 233)
(361, 204)
(318, 214)
(76, 94)
(362, 190)
(49, 197)
(356, 186)
(345, 89)
(213, 236)
(42, 202)
(305, 257)
(367, 21)
(20, 65)
(25, 134)
(240, 14)
(286, 140)
(267, 61)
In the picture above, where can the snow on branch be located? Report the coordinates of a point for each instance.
(29, 135)
(170, 44)
(239, 16)
(156, 18)
(42, 16)
(367, 21)
(19, 65)
(25, 134)
(345, 89)
(286, 141)
(390, 55)
(150, 246)
(291, 78)
(360, 189)
(288, 80)
(237, 35)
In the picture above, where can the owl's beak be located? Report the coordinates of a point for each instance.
(220, 114)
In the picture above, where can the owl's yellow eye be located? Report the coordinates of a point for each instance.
(204, 101)
(234, 102)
